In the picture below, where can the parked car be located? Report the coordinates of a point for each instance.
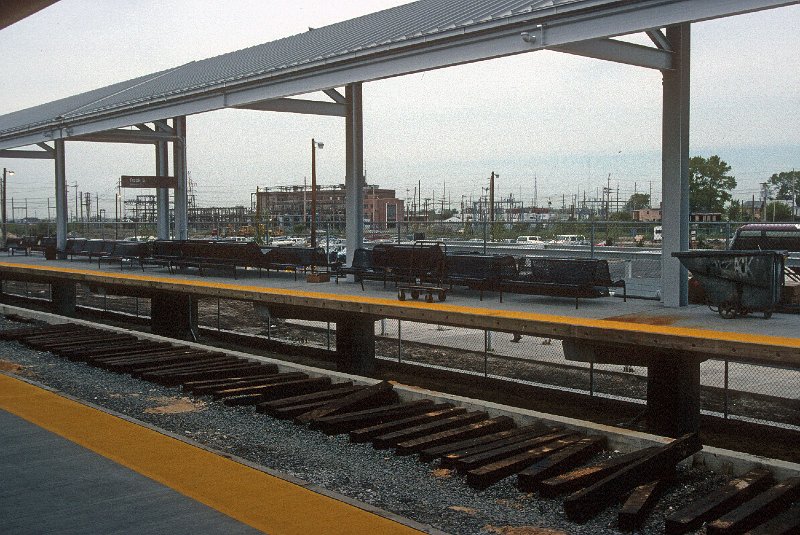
(530, 242)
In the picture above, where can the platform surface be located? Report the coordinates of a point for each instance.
(609, 320)
(69, 468)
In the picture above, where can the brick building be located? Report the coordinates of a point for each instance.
(287, 206)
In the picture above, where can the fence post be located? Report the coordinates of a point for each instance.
(591, 378)
(328, 335)
(485, 227)
(486, 343)
(728, 235)
(399, 342)
(725, 394)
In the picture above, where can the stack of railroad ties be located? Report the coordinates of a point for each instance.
(487, 449)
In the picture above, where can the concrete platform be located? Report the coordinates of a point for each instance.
(636, 323)
(69, 468)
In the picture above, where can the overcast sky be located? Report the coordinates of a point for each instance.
(561, 122)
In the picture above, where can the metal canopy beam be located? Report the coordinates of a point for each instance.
(293, 105)
(552, 27)
(29, 154)
(621, 52)
(125, 136)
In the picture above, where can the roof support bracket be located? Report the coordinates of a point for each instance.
(659, 39)
(335, 96)
(294, 105)
(163, 126)
(47, 147)
(620, 52)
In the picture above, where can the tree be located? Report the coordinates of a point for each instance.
(620, 216)
(787, 185)
(637, 201)
(778, 211)
(735, 211)
(709, 184)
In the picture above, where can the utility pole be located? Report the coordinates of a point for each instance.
(764, 196)
(75, 185)
(491, 196)
(6, 173)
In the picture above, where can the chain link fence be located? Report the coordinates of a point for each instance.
(729, 389)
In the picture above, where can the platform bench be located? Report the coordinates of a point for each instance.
(563, 277)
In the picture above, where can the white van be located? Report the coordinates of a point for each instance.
(571, 239)
(530, 242)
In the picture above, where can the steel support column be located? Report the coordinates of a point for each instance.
(173, 315)
(355, 344)
(181, 190)
(354, 161)
(675, 168)
(162, 194)
(673, 394)
(61, 196)
(63, 297)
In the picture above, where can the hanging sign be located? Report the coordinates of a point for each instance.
(149, 181)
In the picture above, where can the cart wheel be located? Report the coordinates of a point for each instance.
(442, 295)
(401, 295)
(767, 314)
(728, 311)
(429, 297)
(414, 294)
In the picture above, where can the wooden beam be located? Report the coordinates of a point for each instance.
(588, 502)
(484, 427)
(717, 503)
(558, 463)
(639, 504)
(440, 411)
(758, 510)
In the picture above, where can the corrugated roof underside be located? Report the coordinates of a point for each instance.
(406, 23)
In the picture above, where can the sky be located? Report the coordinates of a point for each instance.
(550, 124)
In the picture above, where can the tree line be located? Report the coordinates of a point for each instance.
(710, 187)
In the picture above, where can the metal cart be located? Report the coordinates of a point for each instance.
(737, 282)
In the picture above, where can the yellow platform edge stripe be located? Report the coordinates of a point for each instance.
(260, 500)
(664, 330)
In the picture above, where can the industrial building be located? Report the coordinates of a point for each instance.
(287, 206)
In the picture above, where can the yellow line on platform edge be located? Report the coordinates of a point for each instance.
(682, 332)
(250, 496)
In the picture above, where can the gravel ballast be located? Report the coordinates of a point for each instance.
(401, 485)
